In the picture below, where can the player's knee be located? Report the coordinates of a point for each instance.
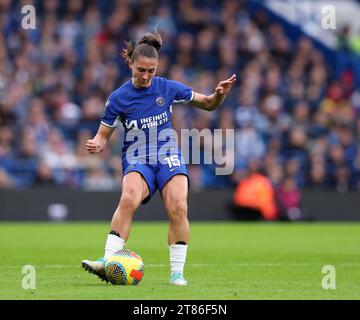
(130, 198)
(178, 210)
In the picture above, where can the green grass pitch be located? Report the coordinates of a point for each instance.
(225, 261)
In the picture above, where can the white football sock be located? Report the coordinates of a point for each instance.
(113, 245)
(177, 257)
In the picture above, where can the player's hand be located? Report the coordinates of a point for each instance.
(94, 146)
(224, 87)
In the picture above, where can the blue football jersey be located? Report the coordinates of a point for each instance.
(145, 114)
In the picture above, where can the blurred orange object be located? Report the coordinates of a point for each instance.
(256, 191)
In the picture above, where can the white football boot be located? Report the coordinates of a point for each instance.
(96, 267)
(178, 279)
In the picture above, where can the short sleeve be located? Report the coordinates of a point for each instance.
(112, 113)
(183, 93)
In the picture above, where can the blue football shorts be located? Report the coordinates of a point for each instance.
(157, 175)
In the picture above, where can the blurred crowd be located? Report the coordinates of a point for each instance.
(296, 118)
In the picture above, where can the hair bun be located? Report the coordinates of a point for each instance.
(152, 40)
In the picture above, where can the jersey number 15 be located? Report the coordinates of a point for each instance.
(173, 161)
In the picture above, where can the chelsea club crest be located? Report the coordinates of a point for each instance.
(160, 101)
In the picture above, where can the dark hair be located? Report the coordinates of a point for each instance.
(148, 46)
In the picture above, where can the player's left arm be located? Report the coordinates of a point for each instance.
(213, 101)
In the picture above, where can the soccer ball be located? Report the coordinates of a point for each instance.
(124, 268)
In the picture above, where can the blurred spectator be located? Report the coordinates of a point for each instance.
(5, 180)
(248, 143)
(28, 149)
(57, 156)
(317, 177)
(344, 39)
(254, 197)
(301, 115)
(348, 55)
(342, 179)
(44, 175)
(288, 198)
(98, 180)
(38, 120)
(278, 121)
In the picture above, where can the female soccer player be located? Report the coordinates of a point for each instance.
(144, 106)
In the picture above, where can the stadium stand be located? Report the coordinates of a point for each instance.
(291, 108)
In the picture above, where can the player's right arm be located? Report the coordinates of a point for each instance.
(100, 140)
